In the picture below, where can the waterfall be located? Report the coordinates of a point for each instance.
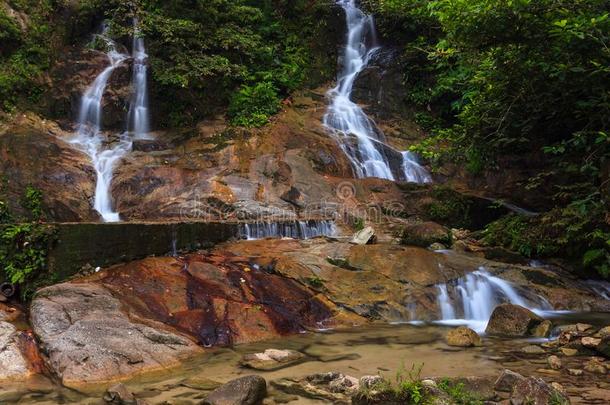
(104, 155)
(291, 229)
(138, 121)
(360, 139)
(414, 172)
(474, 297)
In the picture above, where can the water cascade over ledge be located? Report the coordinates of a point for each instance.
(358, 135)
(104, 155)
(291, 229)
(471, 299)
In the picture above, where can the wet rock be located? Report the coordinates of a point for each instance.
(344, 385)
(249, 390)
(554, 362)
(583, 327)
(425, 234)
(566, 351)
(370, 381)
(590, 342)
(512, 320)
(13, 364)
(317, 389)
(603, 347)
(88, 338)
(364, 237)
(8, 313)
(271, 359)
(119, 394)
(535, 391)
(604, 332)
(533, 349)
(437, 246)
(596, 367)
(463, 337)
(575, 372)
(149, 145)
(543, 330)
(507, 380)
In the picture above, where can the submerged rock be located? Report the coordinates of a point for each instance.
(272, 359)
(513, 320)
(507, 380)
(249, 390)
(463, 337)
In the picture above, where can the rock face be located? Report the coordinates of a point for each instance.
(89, 339)
(13, 364)
(463, 337)
(512, 320)
(249, 390)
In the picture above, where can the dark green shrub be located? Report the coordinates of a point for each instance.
(252, 106)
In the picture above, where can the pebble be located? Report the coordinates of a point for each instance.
(590, 342)
(575, 372)
(554, 362)
(533, 349)
(568, 351)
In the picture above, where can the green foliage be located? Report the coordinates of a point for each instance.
(358, 224)
(315, 281)
(449, 207)
(24, 53)
(32, 201)
(406, 388)
(252, 106)
(577, 232)
(5, 214)
(459, 394)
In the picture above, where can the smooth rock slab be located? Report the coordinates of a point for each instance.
(89, 339)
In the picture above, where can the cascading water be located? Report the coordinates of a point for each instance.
(293, 229)
(360, 139)
(90, 137)
(414, 172)
(474, 297)
(138, 121)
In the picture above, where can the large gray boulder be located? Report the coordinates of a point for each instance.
(89, 339)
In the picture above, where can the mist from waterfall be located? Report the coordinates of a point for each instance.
(105, 153)
(358, 135)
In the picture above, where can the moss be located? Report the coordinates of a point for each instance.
(449, 208)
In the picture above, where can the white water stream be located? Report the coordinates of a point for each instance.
(471, 299)
(291, 229)
(103, 152)
(361, 140)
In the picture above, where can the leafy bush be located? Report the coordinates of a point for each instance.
(459, 393)
(23, 255)
(32, 201)
(252, 106)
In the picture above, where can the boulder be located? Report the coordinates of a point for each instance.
(507, 380)
(425, 234)
(512, 320)
(248, 390)
(120, 395)
(604, 332)
(364, 237)
(603, 347)
(543, 329)
(590, 342)
(271, 359)
(535, 391)
(13, 364)
(463, 337)
(596, 367)
(554, 362)
(89, 339)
